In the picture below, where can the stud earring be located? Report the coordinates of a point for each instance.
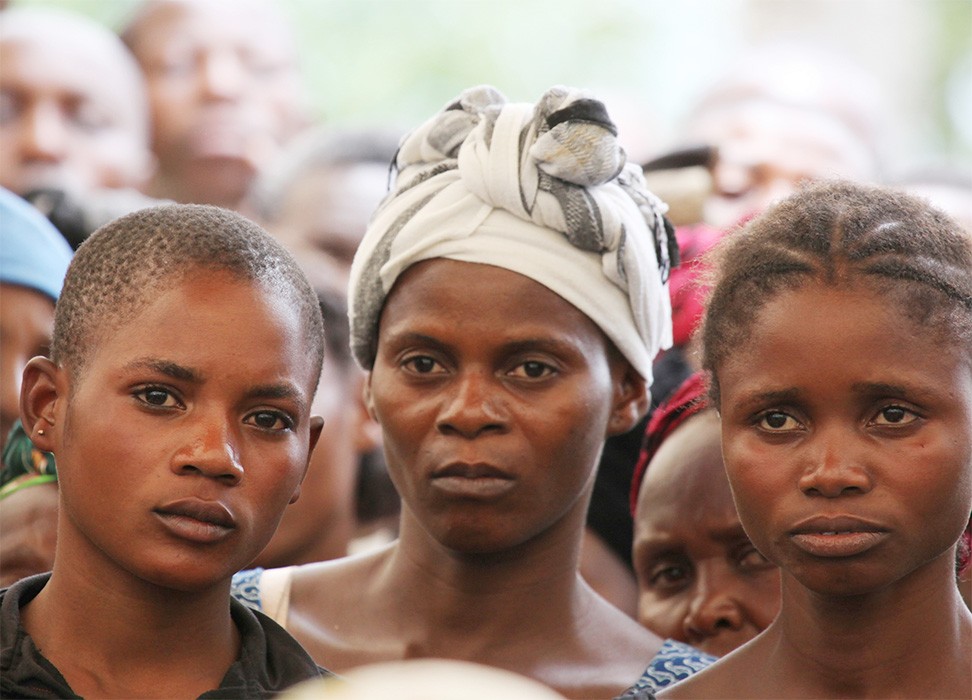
(40, 431)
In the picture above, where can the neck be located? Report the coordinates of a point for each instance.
(537, 579)
(152, 632)
(880, 643)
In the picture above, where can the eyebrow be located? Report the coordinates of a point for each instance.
(277, 391)
(166, 367)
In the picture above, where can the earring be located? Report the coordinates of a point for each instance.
(40, 431)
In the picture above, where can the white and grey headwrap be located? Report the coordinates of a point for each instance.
(542, 190)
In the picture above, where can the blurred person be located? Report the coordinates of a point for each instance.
(224, 90)
(317, 197)
(33, 262)
(783, 114)
(944, 187)
(73, 109)
(700, 579)
(424, 679)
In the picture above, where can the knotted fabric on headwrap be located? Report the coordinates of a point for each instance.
(542, 190)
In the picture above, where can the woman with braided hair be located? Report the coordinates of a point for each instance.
(507, 301)
(838, 336)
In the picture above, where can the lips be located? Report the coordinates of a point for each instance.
(836, 537)
(472, 480)
(197, 520)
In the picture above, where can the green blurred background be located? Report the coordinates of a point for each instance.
(397, 61)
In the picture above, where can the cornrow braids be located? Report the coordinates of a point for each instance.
(126, 263)
(840, 233)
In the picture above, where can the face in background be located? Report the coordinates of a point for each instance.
(847, 435)
(494, 404)
(323, 218)
(224, 91)
(195, 447)
(767, 149)
(26, 327)
(700, 579)
(72, 106)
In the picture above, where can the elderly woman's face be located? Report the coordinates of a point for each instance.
(494, 396)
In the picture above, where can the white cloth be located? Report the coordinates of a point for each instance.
(540, 190)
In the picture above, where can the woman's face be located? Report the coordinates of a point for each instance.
(700, 579)
(494, 396)
(847, 436)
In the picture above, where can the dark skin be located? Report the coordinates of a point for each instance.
(486, 565)
(847, 444)
(154, 424)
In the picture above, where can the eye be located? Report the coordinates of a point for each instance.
(420, 364)
(777, 421)
(272, 421)
(894, 415)
(157, 397)
(533, 369)
(89, 117)
(669, 575)
(748, 558)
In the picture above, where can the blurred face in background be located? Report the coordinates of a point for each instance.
(72, 106)
(224, 91)
(700, 579)
(766, 149)
(323, 218)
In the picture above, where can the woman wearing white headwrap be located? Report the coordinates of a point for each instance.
(507, 300)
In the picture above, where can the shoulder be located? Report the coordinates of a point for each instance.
(24, 671)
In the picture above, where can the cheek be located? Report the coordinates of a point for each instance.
(664, 617)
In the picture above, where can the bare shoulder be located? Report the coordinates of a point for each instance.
(733, 676)
(334, 610)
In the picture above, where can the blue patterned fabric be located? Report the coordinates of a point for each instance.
(675, 661)
(246, 588)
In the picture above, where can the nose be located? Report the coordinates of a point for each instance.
(833, 467)
(43, 133)
(210, 450)
(472, 406)
(713, 608)
(222, 75)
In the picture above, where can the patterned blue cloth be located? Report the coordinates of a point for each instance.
(675, 661)
(246, 588)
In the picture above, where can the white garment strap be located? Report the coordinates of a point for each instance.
(275, 593)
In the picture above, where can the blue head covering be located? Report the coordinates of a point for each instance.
(33, 253)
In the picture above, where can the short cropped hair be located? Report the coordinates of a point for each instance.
(840, 233)
(123, 265)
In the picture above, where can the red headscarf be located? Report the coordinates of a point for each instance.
(685, 402)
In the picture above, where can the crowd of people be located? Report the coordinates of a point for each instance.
(481, 407)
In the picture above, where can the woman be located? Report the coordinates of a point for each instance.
(507, 301)
(839, 339)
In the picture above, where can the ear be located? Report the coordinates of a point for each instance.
(368, 399)
(631, 399)
(316, 426)
(44, 384)
(367, 432)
